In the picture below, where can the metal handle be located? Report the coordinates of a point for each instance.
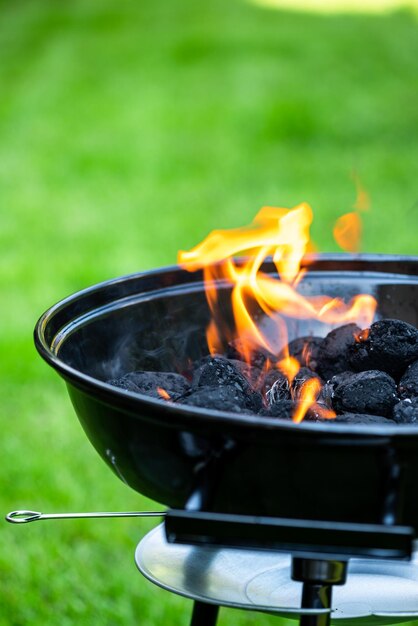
(23, 517)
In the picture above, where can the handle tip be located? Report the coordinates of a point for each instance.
(22, 517)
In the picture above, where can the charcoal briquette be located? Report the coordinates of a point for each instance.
(250, 372)
(408, 385)
(218, 370)
(372, 392)
(148, 383)
(275, 386)
(328, 389)
(257, 358)
(333, 352)
(222, 398)
(214, 371)
(124, 383)
(305, 350)
(389, 345)
(406, 411)
(359, 418)
(303, 375)
(283, 409)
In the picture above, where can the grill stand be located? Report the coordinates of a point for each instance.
(204, 614)
(313, 541)
(320, 550)
(317, 577)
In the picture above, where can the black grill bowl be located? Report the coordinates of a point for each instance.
(251, 465)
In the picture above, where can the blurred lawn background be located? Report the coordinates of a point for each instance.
(129, 130)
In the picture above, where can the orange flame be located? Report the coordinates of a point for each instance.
(289, 366)
(307, 354)
(261, 302)
(163, 393)
(363, 199)
(348, 228)
(323, 413)
(363, 335)
(347, 232)
(308, 395)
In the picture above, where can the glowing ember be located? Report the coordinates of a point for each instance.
(163, 393)
(282, 234)
(363, 335)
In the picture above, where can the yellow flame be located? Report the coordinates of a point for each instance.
(347, 232)
(289, 366)
(286, 231)
(282, 234)
(362, 202)
(307, 397)
(348, 228)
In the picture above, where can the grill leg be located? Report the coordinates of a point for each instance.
(204, 614)
(317, 576)
(316, 597)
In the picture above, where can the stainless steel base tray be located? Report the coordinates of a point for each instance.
(376, 592)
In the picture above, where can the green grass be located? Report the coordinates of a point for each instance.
(129, 130)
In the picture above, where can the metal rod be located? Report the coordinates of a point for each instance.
(204, 614)
(23, 517)
(316, 597)
(317, 576)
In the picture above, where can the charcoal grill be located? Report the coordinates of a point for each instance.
(323, 493)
